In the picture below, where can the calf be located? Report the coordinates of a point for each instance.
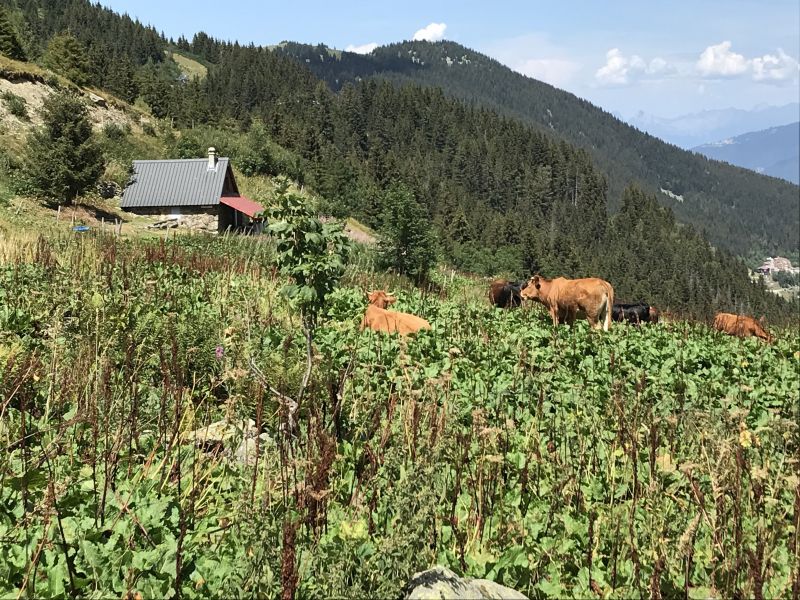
(506, 294)
(378, 318)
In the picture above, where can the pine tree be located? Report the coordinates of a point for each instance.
(9, 42)
(408, 243)
(63, 160)
(68, 57)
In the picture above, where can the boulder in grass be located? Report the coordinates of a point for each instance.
(440, 583)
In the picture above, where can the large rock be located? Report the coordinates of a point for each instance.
(225, 436)
(440, 583)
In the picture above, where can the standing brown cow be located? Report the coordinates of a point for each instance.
(378, 318)
(567, 299)
(740, 326)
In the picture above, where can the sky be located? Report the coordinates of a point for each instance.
(665, 58)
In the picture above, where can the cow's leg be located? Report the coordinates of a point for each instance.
(554, 315)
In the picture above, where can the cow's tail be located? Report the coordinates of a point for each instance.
(609, 306)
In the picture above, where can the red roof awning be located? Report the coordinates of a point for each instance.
(242, 204)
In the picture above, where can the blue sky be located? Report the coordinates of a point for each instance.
(665, 58)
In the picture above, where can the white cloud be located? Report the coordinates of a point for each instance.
(720, 61)
(431, 33)
(775, 68)
(615, 71)
(362, 49)
(621, 70)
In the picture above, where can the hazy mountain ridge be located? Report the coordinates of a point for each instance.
(736, 208)
(774, 151)
(695, 129)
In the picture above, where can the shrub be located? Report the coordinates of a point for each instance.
(116, 132)
(16, 105)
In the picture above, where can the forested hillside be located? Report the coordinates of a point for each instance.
(738, 210)
(505, 196)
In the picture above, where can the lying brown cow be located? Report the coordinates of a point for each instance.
(740, 326)
(380, 319)
(567, 299)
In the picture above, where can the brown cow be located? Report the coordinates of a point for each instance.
(654, 314)
(568, 298)
(740, 326)
(378, 318)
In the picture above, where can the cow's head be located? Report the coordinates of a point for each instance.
(533, 289)
(380, 298)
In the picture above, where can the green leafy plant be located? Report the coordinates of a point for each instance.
(312, 254)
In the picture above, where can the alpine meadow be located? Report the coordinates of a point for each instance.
(288, 322)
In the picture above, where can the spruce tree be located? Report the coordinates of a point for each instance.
(408, 242)
(63, 160)
(9, 43)
(68, 57)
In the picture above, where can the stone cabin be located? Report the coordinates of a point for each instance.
(196, 193)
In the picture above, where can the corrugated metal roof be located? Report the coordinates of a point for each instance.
(186, 182)
(242, 204)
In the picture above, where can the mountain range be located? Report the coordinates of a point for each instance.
(695, 129)
(774, 151)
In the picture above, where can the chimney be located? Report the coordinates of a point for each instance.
(212, 159)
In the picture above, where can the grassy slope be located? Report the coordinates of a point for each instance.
(190, 67)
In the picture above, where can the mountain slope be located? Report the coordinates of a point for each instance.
(774, 151)
(737, 209)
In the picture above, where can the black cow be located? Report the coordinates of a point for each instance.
(633, 313)
(506, 294)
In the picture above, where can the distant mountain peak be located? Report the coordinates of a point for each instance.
(774, 151)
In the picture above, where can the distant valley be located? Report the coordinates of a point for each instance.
(774, 151)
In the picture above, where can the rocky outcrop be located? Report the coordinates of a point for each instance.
(440, 583)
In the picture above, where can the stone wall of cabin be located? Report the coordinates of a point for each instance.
(194, 218)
